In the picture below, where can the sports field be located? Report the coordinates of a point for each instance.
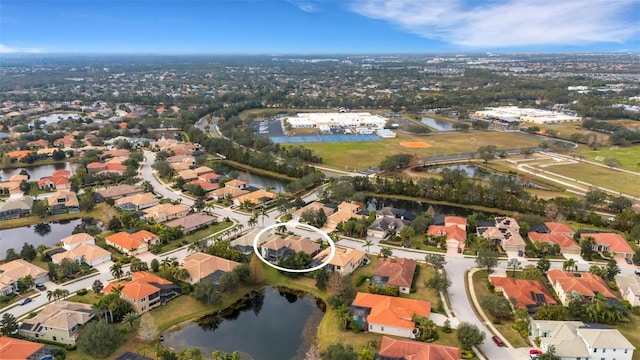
(370, 154)
(600, 176)
(629, 156)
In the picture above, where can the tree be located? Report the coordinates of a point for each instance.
(130, 318)
(469, 335)
(436, 261)
(147, 330)
(8, 324)
(11, 255)
(218, 355)
(339, 351)
(97, 287)
(99, 339)
(24, 186)
(612, 162)
(570, 264)
(367, 244)
(206, 293)
(496, 305)
(586, 248)
(26, 282)
(138, 265)
(28, 252)
(543, 265)
(386, 252)
(256, 271)
(114, 224)
(612, 270)
(116, 270)
(40, 208)
(487, 258)
(487, 152)
(550, 354)
(439, 282)
(513, 264)
(322, 278)
(155, 265)
(552, 312)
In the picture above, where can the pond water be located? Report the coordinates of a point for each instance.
(276, 324)
(55, 118)
(470, 170)
(263, 182)
(437, 124)
(48, 234)
(37, 172)
(416, 207)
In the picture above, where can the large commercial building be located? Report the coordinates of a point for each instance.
(536, 116)
(327, 121)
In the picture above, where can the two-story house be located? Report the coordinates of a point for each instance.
(387, 315)
(145, 291)
(137, 202)
(394, 272)
(12, 271)
(344, 261)
(58, 321)
(279, 248)
(63, 201)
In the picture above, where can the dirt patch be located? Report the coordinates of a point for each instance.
(415, 144)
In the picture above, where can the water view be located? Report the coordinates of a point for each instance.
(270, 324)
(55, 118)
(416, 207)
(263, 182)
(470, 170)
(37, 172)
(437, 124)
(48, 234)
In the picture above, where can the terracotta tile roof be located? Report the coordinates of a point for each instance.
(19, 154)
(235, 183)
(56, 180)
(19, 178)
(16, 349)
(70, 196)
(295, 243)
(63, 173)
(131, 241)
(256, 197)
(77, 239)
(200, 265)
(209, 176)
(524, 290)
(201, 170)
(392, 311)
(205, 185)
(561, 239)
(120, 190)
(140, 286)
(167, 208)
(586, 285)
(451, 232)
(615, 242)
(89, 252)
(555, 227)
(399, 270)
(137, 199)
(191, 221)
(415, 350)
(314, 206)
(343, 256)
(458, 220)
(187, 174)
(233, 191)
(17, 269)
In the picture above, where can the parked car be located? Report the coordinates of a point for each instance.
(41, 287)
(629, 261)
(24, 301)
(638, 272)
(534, 354)
(496, 339)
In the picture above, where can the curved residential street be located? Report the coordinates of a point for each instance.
(456, 266)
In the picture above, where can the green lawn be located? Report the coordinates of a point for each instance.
(102, 212)
(600, 176)
(629, 156)
(342, 155)
(505, 327)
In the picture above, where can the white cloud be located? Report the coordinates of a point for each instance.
(4, 49)
(306, 6)
(508, 23)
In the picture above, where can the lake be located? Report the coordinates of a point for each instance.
(39, 171)
(416, 207)
(48, 234)
(269, 324)
(263, 182)
(437, 124)
(470, 170)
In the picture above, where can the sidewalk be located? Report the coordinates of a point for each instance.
(478, 308)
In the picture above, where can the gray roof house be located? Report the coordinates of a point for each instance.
(15, 208)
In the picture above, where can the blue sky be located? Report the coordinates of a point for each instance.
(317, 26)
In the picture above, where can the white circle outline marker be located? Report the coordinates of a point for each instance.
(332, 245)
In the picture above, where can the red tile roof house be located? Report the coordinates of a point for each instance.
(145, 291)
(528, 293)
(587, 285)
(395, 272)
(456, 221)
(16, 349)
(559, 228)
(567, 244)
(610, 242)
(397, 349)
(455, 235)
(205, 185)
(98, 167)
(54, 183)
(387, 315)
(279, 248)
(132, 244)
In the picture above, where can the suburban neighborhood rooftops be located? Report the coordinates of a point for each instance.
(77, 239)
(201, 265)
(615, 242)
(416, 350)
(586, 285)
(17, 349)
(342, 256)
(399, 270)
(526, 292)
(560, 239)
(392, 311)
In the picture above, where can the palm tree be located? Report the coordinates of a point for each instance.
(343, 315)
(386, 252)
(368, 244)
(570, 264)
(263, 214)
(49, 295)
(130, 318)
(253, 221)
(116, 270)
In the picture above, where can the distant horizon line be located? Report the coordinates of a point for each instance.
(307, 54)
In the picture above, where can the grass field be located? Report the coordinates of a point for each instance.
(352, 155)
(600, 176)
(102, 212)
(629, 156)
